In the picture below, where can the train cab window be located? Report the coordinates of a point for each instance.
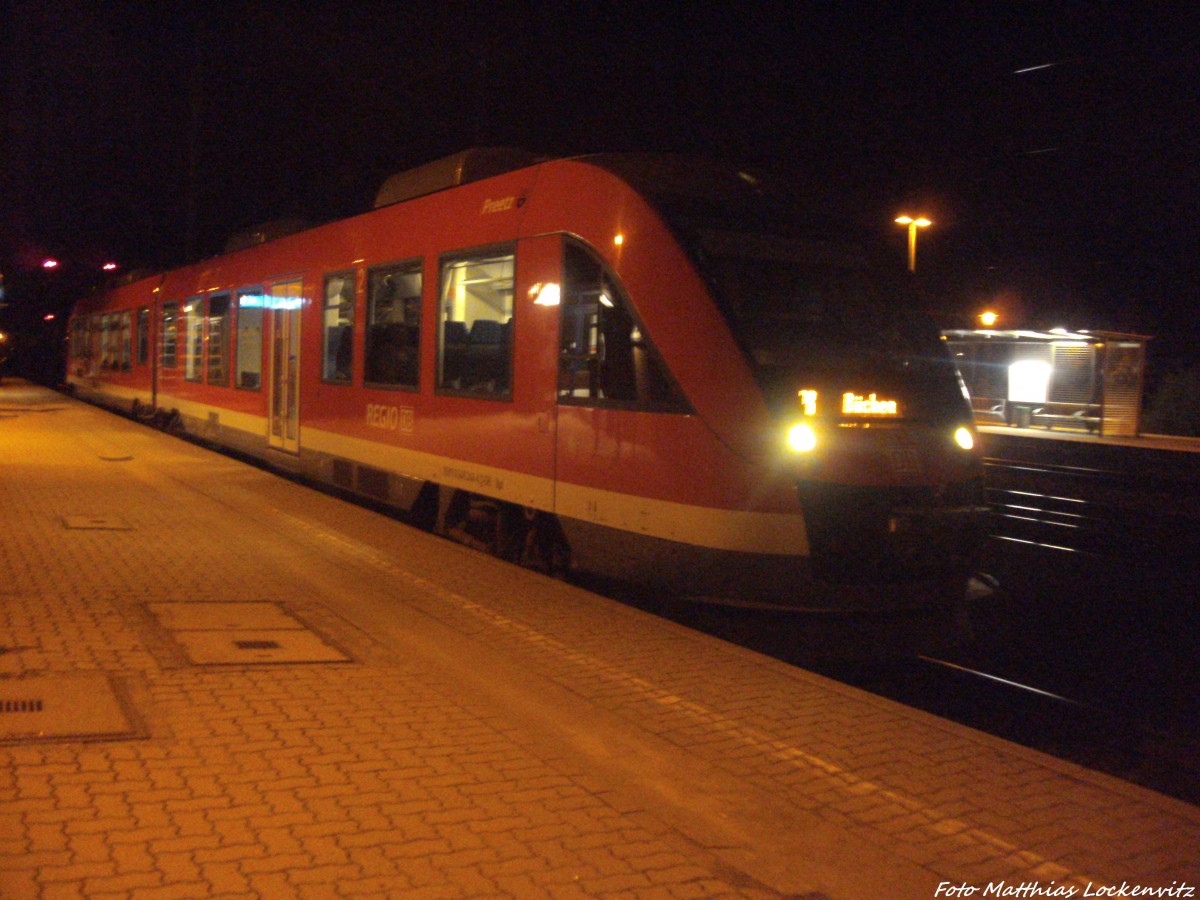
(475, 325)
(605, 356)
(249, 339)
(338, 351)
(393, 346)
(143, 335)
(220, 315)
(170, 321)
(193, 347)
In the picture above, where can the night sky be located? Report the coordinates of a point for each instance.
(1053, 144)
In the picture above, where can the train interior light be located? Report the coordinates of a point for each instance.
(267, 301)
(546, 294)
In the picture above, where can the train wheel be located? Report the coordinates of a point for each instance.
(545, 547)
(526, 537)
(469, 520)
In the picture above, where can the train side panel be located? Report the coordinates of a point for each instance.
(111, 350)
(442, 343)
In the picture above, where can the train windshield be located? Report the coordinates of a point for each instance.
(810, 314)
(807, 313)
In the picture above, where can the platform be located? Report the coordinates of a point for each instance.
(1164, 442)
(298, 697)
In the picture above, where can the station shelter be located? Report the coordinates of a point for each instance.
(1088, 381)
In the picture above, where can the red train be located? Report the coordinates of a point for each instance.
(620, 363)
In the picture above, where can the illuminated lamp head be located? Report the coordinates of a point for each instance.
(545, 294)
(964, 438)
(802, 438)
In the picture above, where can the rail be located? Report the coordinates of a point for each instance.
(1095, 512)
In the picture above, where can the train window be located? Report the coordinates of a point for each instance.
(143, 335)
(193, 331)
(124, 338)
(170, 320)
(81, 347)
(249, 339)
(605, 356)
(393, 348)
(96, 341)
(338, 352)
(106, 341)
(475, 325)
(220, 315)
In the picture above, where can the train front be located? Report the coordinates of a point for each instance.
(871, 418)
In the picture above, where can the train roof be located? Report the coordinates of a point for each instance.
(452, 171)
(679, 185)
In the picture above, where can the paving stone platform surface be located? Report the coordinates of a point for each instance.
(388, 714)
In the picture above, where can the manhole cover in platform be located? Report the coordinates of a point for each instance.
(252, 615)
(245, 647)
(62, 706)
(96, 523)
(214, 633)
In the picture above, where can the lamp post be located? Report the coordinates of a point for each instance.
(913, 225)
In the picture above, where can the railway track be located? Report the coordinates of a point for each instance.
(1095, 512)
(1094, 736)
(982, 687)
(1086, 655)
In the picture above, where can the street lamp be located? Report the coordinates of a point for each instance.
(988, 319)
(913, 225)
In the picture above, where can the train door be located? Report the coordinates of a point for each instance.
(539, 285)
(284, 400)
(612, 387)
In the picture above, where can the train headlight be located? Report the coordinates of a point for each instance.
(964, 438)
(802, 438)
